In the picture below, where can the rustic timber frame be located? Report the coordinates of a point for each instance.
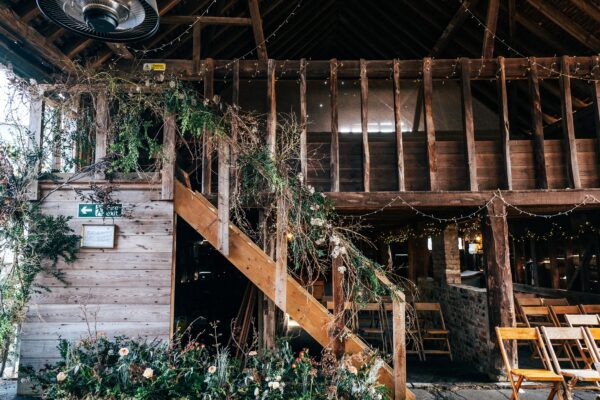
(520, 168)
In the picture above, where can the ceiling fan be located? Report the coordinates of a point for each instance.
(106, 20)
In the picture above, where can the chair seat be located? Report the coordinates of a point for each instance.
(582, 374)
(537, 374)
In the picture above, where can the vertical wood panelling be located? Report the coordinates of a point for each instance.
(468, 125)
(537, 126)
(566, 103)
(364, 122)
(504, 122)
(596, 99)
(429, 124)
(303, 121)
(207, 148)
(398, 127)
(335, 139)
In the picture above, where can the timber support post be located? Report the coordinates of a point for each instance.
(338, 345)
(501, 307)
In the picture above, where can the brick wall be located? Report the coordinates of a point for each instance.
(445, 256)
(466, 316)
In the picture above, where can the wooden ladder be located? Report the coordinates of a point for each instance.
(259, 268)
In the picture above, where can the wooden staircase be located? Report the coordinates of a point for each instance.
(259, 268)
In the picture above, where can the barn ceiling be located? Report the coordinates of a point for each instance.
(318, 29)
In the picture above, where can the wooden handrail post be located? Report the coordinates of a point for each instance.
(36, 114)
(337, 279)
(168, 168)
(399, 343)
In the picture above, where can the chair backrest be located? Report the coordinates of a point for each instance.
(558, 312)
(520, 334)
(536, 316)
(593, 335)
(431, 307)
(529, 301)
(562, 335)
(582, 320)
(555, 302)
(523, 295)
(590, 308)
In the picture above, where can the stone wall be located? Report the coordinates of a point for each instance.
(466, 315)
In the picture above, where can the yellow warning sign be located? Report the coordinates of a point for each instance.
(155, 66)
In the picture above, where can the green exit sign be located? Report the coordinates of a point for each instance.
(92, 210)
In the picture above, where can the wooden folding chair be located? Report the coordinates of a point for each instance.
(525, 302)
(432, 332)
(555, 302)
(537, 316)
(531, 335)
(414, 340)
(557, 313)
(572, 375)
(577, 320)
(590, 308)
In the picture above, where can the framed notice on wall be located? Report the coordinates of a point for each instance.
(98, 236)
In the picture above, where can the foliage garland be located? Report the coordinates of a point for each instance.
(30, 242)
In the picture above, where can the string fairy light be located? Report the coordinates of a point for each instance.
(532, 62)
(179, 37)
(588, 199)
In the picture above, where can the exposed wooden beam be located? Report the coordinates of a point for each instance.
(499, 285)
(168, 169)
(490, 31)
(196, 47)
(56, 34)
(364, 122)
(121, 50)
(303, 122)
(11, 22)
(568, 125)
(335, 138)
(537, 127)
(207, 153)
(79, 47)
(271, 108)
(567, 24)
(453, 26)
(588, 7)
(204, 20)
(257, 28)
(429, 124)
(504, 122)
(595, 86)
(512, 12)
(30, 14)
(398, 127)
(468, 124)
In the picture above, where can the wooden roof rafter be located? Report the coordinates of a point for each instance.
(257, 29)
(32, 37)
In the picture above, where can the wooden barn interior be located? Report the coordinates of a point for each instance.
(464, 134)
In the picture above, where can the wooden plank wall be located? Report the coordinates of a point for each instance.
(452, 171)
(121, 291)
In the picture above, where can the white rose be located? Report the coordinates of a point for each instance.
(148, 373)
(252, 353)
(61, 376)
(123, 351)
(212, 369)
(256, 392)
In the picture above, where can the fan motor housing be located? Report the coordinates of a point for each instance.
(107, 20)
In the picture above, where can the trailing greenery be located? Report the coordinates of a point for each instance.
(123, 368)
(30, 242)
